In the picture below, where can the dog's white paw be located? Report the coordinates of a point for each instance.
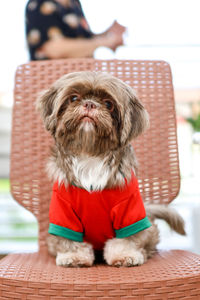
(123, 252)
(134, 259)
(71, 259)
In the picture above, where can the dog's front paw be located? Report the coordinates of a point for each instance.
(136, 258)
(123, 253)
(71, 259)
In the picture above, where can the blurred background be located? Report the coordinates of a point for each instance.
(156, 29)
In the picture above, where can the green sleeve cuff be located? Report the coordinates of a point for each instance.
(133, 229)
(65, 232)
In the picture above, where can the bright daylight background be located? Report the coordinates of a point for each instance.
(157, 29)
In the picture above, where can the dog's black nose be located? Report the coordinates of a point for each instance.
(89, 105)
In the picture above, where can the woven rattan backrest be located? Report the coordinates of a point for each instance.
(156, 149)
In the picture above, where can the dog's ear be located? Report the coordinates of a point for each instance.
(45, 105)
(136, 118)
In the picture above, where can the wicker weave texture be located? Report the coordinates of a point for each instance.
(169, 275)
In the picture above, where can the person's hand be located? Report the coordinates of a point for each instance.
(114, 36)
(116, 28)
(114, 40)
(110, 40)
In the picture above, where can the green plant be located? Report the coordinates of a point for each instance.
(195, 122)
(4, 185)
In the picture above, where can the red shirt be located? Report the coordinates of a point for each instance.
(97, 216)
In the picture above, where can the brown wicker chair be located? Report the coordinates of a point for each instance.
(168, 275)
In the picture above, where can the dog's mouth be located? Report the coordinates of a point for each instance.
(87, 118)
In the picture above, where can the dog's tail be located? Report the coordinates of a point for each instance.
(167, 214)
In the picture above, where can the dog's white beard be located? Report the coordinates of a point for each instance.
(91, 172)
(87, 126)
(86, 137)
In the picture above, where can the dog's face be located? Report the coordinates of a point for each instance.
(92, 113)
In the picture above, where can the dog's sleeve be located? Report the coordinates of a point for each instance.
(63, 219)
(129, 215)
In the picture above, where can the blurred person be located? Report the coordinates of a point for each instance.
(58, 29)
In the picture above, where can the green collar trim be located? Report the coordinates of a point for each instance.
(65, 232)
(91, 187)
(133, 229)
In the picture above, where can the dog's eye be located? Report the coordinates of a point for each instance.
(74, 98)
(109, 105)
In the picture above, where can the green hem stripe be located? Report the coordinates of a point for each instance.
(134, 228)
(65, 232)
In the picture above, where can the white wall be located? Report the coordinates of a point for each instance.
(13, 50)
(149, 22)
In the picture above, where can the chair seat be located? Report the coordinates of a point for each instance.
(168, 275)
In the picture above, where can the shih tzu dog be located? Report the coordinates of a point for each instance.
(96, 203)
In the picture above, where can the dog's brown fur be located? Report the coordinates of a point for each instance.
(93, 117)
